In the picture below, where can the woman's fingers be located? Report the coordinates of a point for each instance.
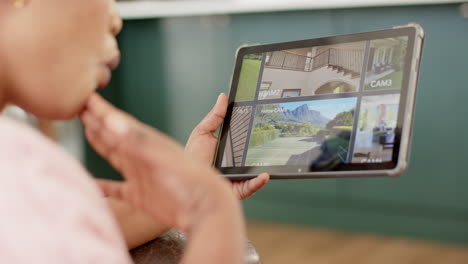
(103, 141)
(214, 118)
(106, 128)
(202, 141)
(121, 139)
(245, 189)
(258, 182)
(155, 167)
(99, 107)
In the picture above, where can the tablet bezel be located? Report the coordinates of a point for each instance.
(342, 170)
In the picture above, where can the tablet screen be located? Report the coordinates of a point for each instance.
(317, 107)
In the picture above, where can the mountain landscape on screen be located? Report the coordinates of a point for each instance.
(275, 114)
(303, 114)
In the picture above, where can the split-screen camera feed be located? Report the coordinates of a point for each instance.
(318, 106)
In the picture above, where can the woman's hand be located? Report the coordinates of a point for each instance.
(160, 177)
(167, 183)
(202, 145)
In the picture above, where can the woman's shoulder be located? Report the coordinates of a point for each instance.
(27, 155)
(14, 132)
(24, 153)
(43, 185)
(20, 143)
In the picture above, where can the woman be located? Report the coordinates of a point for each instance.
(53, 55)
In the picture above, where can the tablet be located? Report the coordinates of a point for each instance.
(339, 106)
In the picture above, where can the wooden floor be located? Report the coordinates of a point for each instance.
(283, 244)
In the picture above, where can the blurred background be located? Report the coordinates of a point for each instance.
(178, 56)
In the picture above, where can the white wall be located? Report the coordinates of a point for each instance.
(152, 9)
(284, 79)
(323, 75)
(309, 82)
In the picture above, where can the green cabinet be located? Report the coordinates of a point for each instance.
(173, 69)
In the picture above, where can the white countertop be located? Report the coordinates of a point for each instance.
(154, 9)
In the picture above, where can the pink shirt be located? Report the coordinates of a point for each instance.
(51, 211)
